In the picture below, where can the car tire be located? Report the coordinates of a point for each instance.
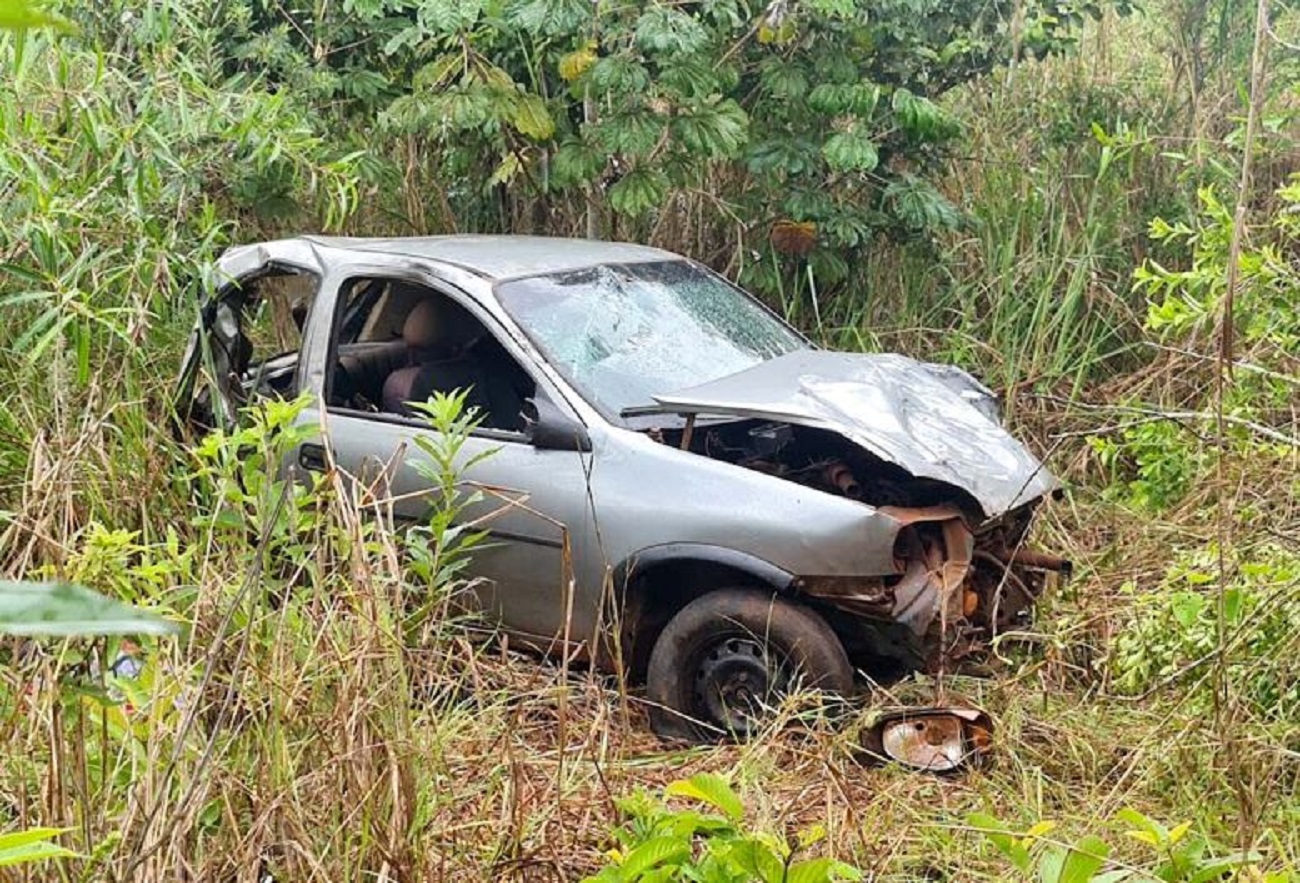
(728, 656)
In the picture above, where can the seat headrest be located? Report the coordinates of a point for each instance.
(439, 326)
(420, 331)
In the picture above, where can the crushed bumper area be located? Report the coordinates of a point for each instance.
(956, 590)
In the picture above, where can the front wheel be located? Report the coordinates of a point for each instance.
(726, 659)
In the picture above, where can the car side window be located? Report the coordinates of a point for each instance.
(399, 342)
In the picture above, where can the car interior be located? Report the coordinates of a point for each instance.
(400, 342)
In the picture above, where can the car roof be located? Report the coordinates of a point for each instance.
(504, 257)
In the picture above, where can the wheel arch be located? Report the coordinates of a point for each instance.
(652, 585)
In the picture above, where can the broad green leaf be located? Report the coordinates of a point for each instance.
(1117, 876)
(821, 870)
(619, 75)
(1178, 832)
(576, 162)
(1051, 865)
(67, 610)
(1217, 868)
(755, 858)
(505, 171)
(532, 118)
(653, 853)
(1086, 858)
(664, 29)
(36, 852)
(634, 133)
(711, 789)
(578, 62)
(18, 15)
(32, 845)
(1001, 837)
(443, 17)
(638, 191)
(28, 836)
(715, 131)
(850, 151)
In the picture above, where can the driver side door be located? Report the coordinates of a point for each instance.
(532, 502)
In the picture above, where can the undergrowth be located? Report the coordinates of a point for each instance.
(331, 712)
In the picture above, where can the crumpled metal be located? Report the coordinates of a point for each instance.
(934, 421)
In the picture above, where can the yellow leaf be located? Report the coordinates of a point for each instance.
(1179, 832)
(813, 834)
(1040, 829)
(576, 63)
(532, 118)
(506, 170)
(1144, 837)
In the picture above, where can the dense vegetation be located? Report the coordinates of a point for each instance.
(1094, 207)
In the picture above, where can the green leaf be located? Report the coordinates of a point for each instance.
(22, 847)
(67, 610)
(821, 870)
(551, 18)
(833, 99)
(1186, 607)
(638, 191)
(1086, 858)
(691, 77)
(1001, 837)
(784, 81)
(16, 15)
(531, 117)
(653, 853)
(919, 206)
(619, 74)
(714, 131)
(667, 30)
(1051, 865)
(711, 789)
(635, 133)
(443, 17)
(921, 118)
(850, 151)
(576, 162)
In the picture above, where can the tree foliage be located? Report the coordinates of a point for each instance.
(633, 120)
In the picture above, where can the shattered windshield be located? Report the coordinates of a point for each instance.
(622, 333)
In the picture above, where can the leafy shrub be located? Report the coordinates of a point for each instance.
(659, 843)
(1173, 633)
(1178, 855)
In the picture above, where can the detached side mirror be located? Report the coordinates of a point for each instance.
(549, 429)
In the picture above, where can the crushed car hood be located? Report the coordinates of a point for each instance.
(935, 421)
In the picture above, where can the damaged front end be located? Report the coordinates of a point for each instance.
(954, 591)
(923, 446)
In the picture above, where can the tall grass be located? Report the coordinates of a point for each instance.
(296, 732)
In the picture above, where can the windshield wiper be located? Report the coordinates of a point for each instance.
(644, 410)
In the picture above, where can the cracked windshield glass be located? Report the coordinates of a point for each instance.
(625, 333)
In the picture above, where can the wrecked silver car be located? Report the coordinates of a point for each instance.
(744, 512)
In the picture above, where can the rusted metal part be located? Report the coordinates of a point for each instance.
(862, 596)
(937, 740)
(935, 548)
(689, 432)
(1034, 558)
(839, 476)
(955, 592)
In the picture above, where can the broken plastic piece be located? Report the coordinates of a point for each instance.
(937, 740)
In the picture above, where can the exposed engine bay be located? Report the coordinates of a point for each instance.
(816, 458)
(961, 579)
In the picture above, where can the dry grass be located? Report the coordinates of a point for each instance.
(293, 733)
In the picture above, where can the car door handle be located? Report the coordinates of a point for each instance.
(312, 457)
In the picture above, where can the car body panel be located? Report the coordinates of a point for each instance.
(632, 496)
(927, 421)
